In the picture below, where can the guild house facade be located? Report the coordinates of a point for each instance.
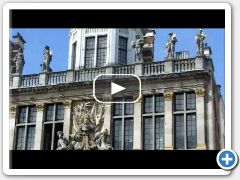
(180, 107)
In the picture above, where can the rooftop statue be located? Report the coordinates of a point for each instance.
(47, 54)
(138, 46)
(170, 46)
(19, 61)
(199, 42)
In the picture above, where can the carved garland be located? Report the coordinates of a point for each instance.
(13, 109)
(40, 106)
(67, 103)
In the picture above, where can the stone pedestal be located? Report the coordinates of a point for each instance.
(39, 126)
(199, 63)
(137, 136)
(67, 118)
(168, 66)
(139, 69)
(43, 78)
(168, 96)
(200, 91)
(12, 123)
(16, 81)
(70, 76)
(110, 70)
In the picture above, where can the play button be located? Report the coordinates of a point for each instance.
(116, 88)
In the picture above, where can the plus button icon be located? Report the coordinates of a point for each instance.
(227, 159)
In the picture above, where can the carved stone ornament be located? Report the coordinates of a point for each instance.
(88, 132)
(67, 103)
(200, 91)
(168, 95)
(40, 106)
(13, 109)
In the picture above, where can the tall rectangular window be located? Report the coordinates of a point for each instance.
(25, 136)
(185, 126)
(74, 48)
(122, 50)
(123, 115)
(101, 51)
(153, 122)
(89, 52)
(54, 117)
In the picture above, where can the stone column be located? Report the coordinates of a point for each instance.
(168, 116)
(67, 118)
(200, 91)
(12, 123)
(108, 118)
(137, 129)
(39, 126)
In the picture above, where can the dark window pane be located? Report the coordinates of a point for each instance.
(148, 133)
(117, 136)
(128, 134)
(129, 107)
(159, 132)
(191, 101)
(20, 138)
(147, 105)
(191, 131)
(32, 114)
(159, 104)
(101, 51)
(47, 136)
(49, 112)
(122, 50)
(30, 137)
(74, 47)
(22, 114)
(179, 102)
(89, 52)
(117, 108)
(179, 131)
(60, 112)
(58, 127)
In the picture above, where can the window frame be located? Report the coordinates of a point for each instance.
(153, 115)
(120, 49)
(183, 112)
(123, 118)
(26, 124)
(53, 123)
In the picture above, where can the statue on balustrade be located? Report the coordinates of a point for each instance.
(19, 61)
(88, 133)
(170, 46)
(138, 46)
(47, 54)
(199, 42)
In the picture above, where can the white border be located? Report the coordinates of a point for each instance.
(94, 88)
(5, 46)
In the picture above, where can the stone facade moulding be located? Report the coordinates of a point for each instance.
(40, 106)
(13, 109)
(168, 95)
(67, 103)
(200, 91)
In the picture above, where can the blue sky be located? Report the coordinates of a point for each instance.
(57, 39)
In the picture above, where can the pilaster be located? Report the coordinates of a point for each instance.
(12, 123)
(67, 117)
(39, 126)
(137, 129)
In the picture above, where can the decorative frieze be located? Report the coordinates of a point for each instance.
(200, 91)
(168, 95)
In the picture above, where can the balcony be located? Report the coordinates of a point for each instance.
(86, 75)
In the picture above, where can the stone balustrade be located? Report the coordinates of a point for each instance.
(83, 75)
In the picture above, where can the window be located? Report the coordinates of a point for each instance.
(101, 51)
(25, 128)
(122, 50)
(90, 51)
(185, 127)
(74, 47)
(153, 122)
(123, 115)
(54, 117)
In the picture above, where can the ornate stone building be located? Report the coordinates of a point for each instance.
(181, 106)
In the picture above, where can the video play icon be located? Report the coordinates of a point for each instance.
(115, 88)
